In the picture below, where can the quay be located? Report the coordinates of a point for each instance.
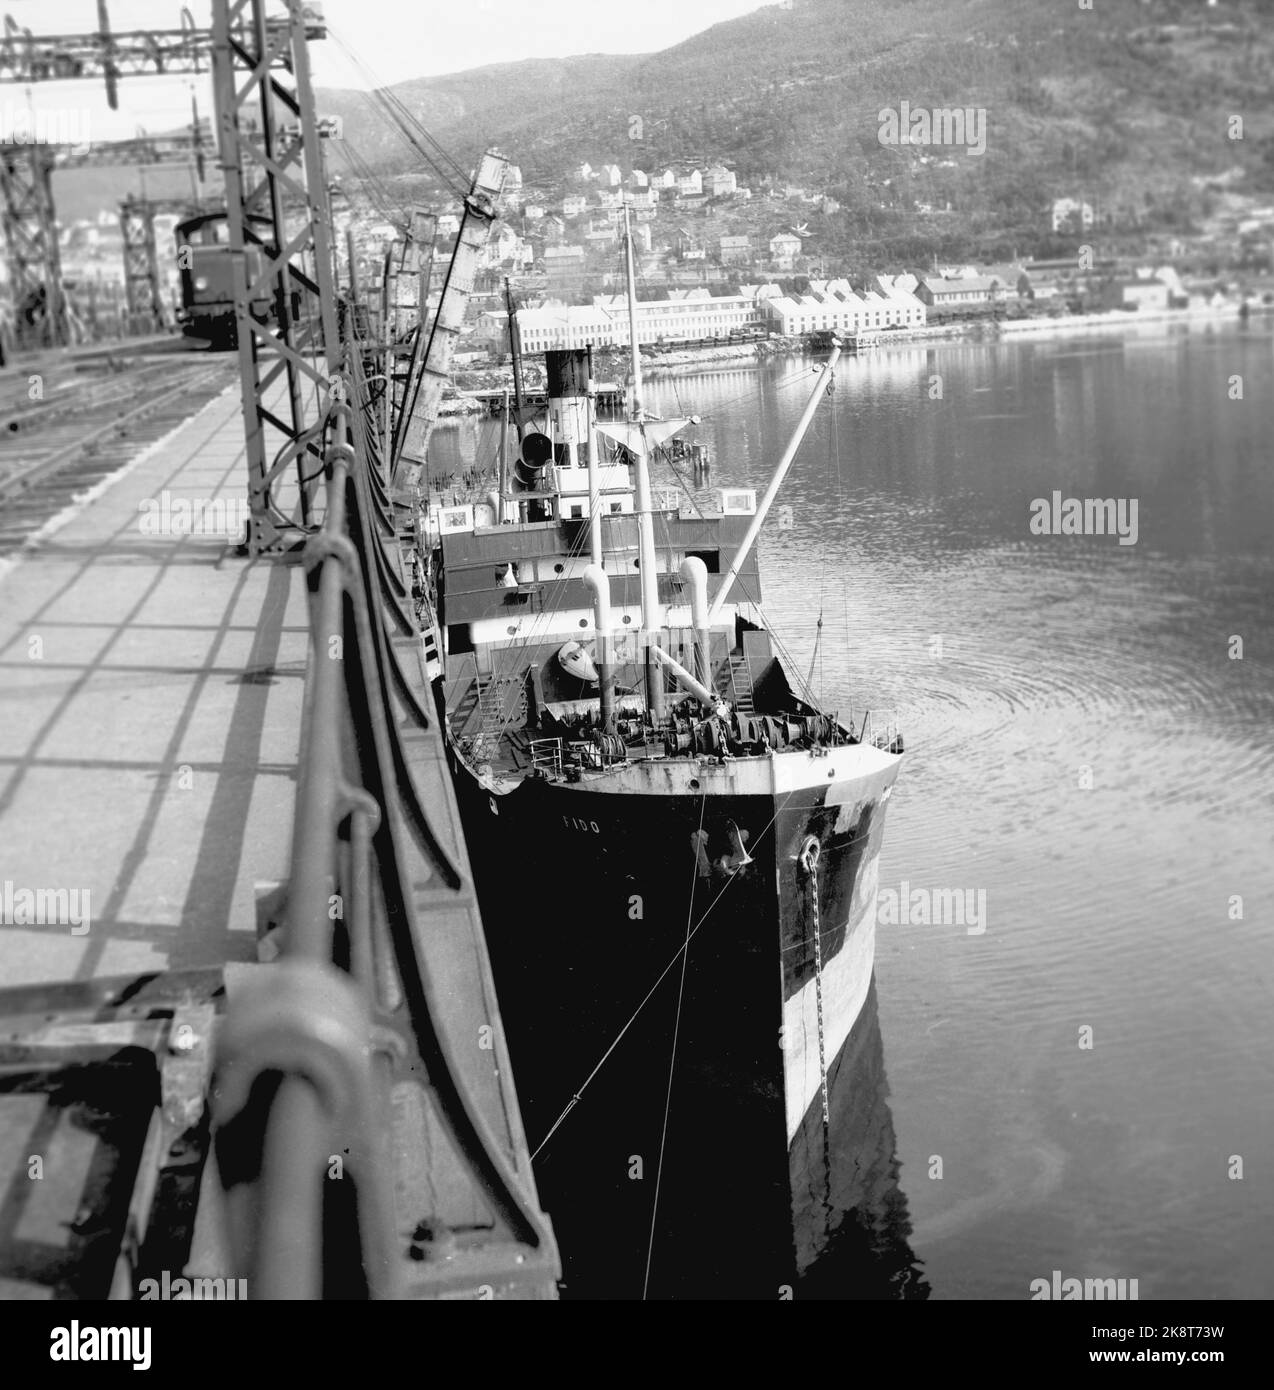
(152, 718)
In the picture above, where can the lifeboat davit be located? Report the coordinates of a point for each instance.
(575, 661)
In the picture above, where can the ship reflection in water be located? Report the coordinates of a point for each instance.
(850, 1219)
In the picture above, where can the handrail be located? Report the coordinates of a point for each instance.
(351, 1006)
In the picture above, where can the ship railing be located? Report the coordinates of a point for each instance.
(317, 1045)
(880, 728)
(546, 756)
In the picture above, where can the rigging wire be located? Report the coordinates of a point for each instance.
(685, 946)
(676, 1030)
(447, 168)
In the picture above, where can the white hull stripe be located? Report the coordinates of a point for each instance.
(846, 980)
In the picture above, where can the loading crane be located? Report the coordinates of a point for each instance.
(424, 391)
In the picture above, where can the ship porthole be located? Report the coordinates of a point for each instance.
(583, 622)
(694, 784)
(628, 617)
(495, 810)
(831, 774)
(512, 631)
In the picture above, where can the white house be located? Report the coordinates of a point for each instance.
(690, 185)
(573, 205)
(1071, 215)
(784, 249)
(610, 174)
(720, 182)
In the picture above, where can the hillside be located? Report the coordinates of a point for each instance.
(1121, 104)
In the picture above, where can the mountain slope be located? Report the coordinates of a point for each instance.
(1120, 103)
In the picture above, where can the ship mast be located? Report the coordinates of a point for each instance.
(650, 616)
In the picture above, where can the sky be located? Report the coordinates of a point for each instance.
(392, 39)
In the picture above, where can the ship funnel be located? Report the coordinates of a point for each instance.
(599, 582)
(695, 573)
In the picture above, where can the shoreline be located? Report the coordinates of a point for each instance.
(693, 361)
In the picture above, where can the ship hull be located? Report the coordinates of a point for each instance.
(653, 950)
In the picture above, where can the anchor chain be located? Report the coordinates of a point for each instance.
(809, 862)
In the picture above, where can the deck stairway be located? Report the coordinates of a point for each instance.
(490, 707)
(734, 683)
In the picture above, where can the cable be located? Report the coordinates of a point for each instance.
(685, 946)
(672, 1061)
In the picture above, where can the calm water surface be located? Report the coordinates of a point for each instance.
(1081, 748)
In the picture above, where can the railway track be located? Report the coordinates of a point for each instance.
(87, 428)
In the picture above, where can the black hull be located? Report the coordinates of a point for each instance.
(587, 897)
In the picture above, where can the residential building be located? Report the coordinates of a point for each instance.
(448, 225)
(1071, 215)
(735, 250)
(563, 261)
(962, 293)
(1039, 285)
(784, 249)
(1147, 294)
(573, 205)
(610, 174)
(668, 179)
(719, 182)
(690, 185)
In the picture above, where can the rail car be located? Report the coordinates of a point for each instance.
(207, 284)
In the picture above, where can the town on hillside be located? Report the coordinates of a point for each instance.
(721, 266)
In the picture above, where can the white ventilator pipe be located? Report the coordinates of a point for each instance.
(695, 573)
(599, 581)
(776, 482)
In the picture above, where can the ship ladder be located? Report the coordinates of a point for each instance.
(809, 862)
(741, 684)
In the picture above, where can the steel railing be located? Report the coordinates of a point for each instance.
(314, 1042)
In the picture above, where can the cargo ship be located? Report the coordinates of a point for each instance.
(675, 849)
